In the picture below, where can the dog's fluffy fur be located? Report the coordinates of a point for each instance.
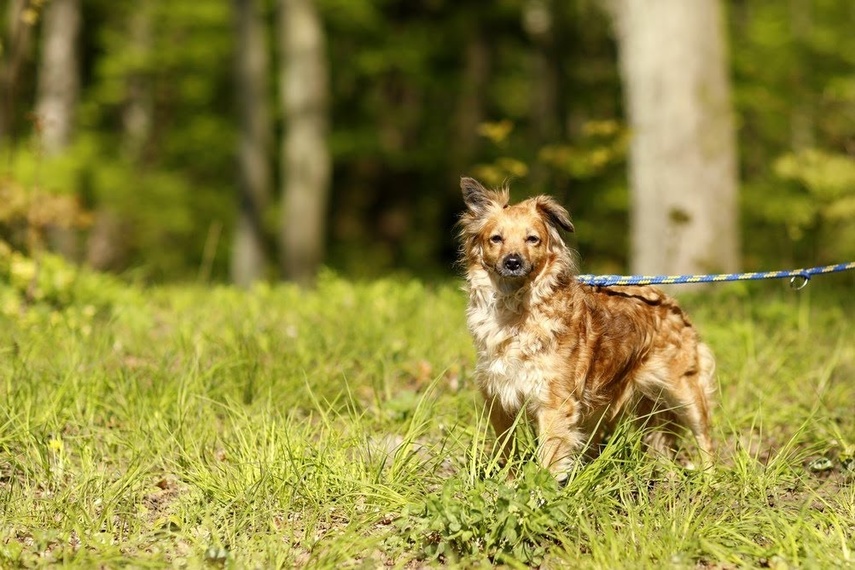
(574, 357)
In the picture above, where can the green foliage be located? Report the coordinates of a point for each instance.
(826, 184)
(170, 178)
(814, 201)
(27, 216)
(156, 208)
(829, 178)
(793, 65)
(602, 144)
(47, 286)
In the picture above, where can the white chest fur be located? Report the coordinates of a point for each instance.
(513, 351)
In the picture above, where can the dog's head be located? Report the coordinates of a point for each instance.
(512, 242)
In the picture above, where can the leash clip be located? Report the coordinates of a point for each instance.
(799, 282)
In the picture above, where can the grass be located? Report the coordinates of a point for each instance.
(203, 427)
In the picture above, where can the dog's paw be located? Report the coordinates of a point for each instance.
(561, 470)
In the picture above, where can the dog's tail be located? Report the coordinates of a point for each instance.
(706, 365)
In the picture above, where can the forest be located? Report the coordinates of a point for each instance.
(163, 140)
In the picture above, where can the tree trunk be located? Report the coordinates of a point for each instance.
(305, 156)
(16, 46)
(58, 89)
(682, 160)
(106, 242)
(59, 81)
(538, 22)
(138, 109)
(254, 176)
(470, 103)
(802, 121)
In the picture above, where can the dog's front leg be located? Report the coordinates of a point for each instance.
(560, 440)
(503, 426)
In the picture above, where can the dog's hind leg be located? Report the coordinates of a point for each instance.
(690, 401)
(660, 427)
(704, 387)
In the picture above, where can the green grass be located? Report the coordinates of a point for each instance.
(188, 426)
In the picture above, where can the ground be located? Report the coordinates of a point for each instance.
(192, 426)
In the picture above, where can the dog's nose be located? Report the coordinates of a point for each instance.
(513, 262)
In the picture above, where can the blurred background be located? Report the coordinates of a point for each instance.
(238, 140)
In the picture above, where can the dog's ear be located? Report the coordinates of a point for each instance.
(554, 213)
(475, 196)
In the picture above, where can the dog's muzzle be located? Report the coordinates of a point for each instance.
(513, 265)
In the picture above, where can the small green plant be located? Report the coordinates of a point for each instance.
(504, 521)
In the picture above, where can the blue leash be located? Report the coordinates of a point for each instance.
(798, 277)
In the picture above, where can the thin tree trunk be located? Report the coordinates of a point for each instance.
(16, 46)
(59, 80)
(538, 22)
(254, 179)
(138, 108)
(682, 162)
(802, 129)
(470, 111)
(305, 156)
(106, 246)
(58, 87)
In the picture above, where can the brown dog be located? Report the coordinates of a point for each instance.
(573, 357)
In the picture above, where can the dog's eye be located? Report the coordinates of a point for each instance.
(533, 240)
(496, 238)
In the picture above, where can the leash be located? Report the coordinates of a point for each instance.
(798, 277)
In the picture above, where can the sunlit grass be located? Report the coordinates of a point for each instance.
(186, 426)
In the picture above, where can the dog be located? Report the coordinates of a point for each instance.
(573, 358)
